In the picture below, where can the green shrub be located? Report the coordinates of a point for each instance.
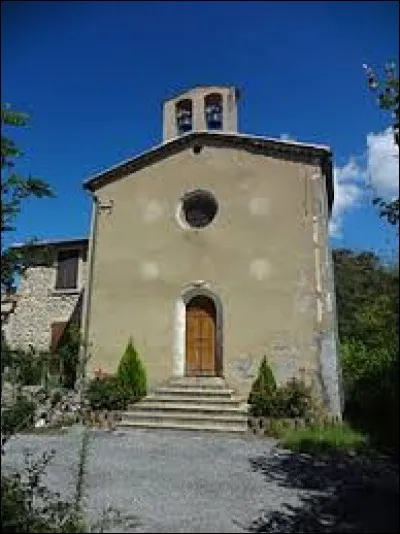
(26, 367)
(19, 415)
(131, 373)
(265, 380)
(263, 404)
(293, 399)
(261, 397)
(325, 439)
(362, 365)
(371, 386)
(28, 506)
(68, 354)
(107, 393)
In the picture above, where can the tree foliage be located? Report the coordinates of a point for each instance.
(131, 372)
(267, 399)
(107, 393)
(262, 393)
(368, 318)
(367, 297)
(18, 415)
(15, 188)
(68, 354)
(387, 89)
(265, 381)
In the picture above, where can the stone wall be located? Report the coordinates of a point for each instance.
(38, 305)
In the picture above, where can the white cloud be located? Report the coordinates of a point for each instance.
(383, 163)
(349, 183)
(380, 171)
(377, 168)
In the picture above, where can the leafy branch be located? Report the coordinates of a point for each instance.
(387, 89)
(15, 188)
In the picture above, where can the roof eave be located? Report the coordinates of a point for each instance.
(96, 181)
(79, 241)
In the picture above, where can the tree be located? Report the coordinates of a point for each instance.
(366, 296)
(265, 381)
(263, 391)
(368, 317)
(388, 100)
(14, 189)
(131, 373)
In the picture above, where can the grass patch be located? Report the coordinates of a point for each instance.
(335, 438)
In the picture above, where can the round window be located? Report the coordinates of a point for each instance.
(198, 209)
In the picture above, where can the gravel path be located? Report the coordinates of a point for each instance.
(186, 482)
(62, 470)
(180, 482)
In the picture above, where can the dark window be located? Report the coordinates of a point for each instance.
(67, 269)
(213, 111)
(184, 116)
(199, 208)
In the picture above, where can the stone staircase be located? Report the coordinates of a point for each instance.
(189, 403)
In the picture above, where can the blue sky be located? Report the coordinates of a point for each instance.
(93, 75)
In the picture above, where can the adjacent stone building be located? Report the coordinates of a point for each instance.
(210, 250)
(49, 296)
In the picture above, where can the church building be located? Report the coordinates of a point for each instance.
(209, 250)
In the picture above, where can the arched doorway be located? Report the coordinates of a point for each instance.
(201, 337)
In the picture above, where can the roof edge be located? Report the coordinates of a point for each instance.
(53, 242)
(182, 92)
(186, 138)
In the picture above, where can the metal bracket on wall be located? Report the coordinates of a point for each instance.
(106, 206)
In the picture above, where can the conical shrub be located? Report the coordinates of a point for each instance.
(263, 391)
(131, 373)
(265, 381)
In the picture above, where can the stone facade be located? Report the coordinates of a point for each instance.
(263, 259)
(38, 304)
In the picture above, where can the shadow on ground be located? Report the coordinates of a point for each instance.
(340, 493)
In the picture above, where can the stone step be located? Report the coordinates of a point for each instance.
(209, 382)
(184, 399)
(189, 403)
(170, 425)
(171, 407)
(200, 391)
(186, 417)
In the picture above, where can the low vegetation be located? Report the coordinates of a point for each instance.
(28, 506)
(368, 312)
(131, 373)
(106, 393)
(18, 416)
(323, 439)
(114, 392)
(290, 400)
(25, 367)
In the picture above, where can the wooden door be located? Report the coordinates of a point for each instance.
(200, 337)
